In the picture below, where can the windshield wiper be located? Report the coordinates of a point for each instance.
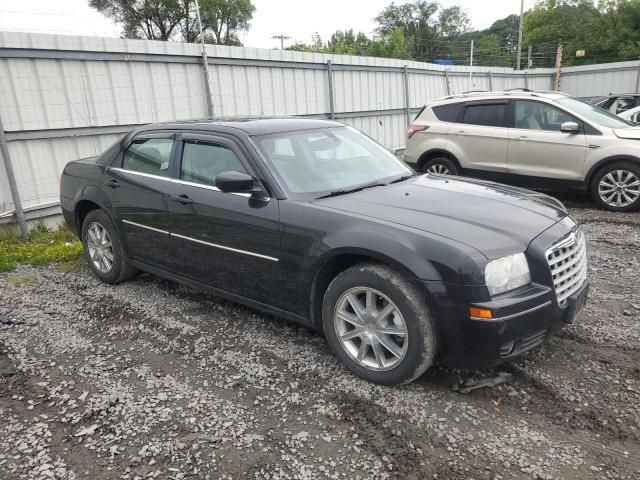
(336, 193)
(402, 179)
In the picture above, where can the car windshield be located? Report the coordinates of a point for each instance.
(593, 113)
(329, 160)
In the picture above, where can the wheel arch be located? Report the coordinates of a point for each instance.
(337, 261)
(607, 161)
(435, 153)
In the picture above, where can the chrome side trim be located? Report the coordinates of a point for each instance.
(215, 245)
(514, 315)
(209, 187)
(139, 225)
(133, 172)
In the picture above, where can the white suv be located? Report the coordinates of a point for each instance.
(544, 140)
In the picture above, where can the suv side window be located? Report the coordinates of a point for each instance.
(203, 162)
(623, 104)
(540, 116)
(149, 155)
(485, 114)
(447, 113)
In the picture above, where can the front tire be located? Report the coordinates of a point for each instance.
(378, 324)
(440, 166)
(616, 187)
(103, 249)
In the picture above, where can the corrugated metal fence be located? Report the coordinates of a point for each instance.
(65, 97)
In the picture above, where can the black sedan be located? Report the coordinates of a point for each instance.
(315, 222)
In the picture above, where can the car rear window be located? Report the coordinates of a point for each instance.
(447, 113)
(486, 114)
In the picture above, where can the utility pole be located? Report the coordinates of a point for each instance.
(15, 196)
(558, 65)
(205, 66)
(471, 67)
(282, 38)
(519, 55)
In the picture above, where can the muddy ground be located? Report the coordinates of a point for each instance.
(150, 379)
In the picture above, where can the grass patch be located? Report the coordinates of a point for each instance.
(43, 246)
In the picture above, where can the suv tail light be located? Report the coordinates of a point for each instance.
(415, 128)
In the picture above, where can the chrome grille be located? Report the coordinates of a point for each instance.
(568, 263)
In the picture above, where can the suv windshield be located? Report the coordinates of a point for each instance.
(329, 159)
(593, 113)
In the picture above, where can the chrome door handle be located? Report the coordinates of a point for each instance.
(183, 198)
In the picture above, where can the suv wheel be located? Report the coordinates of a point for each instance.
(378, 325)
(617, 187)
(103, 249)
(440, 166)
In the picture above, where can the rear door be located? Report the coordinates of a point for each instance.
(229, 241)
(136, 188)
(481, 136)
(537, 147)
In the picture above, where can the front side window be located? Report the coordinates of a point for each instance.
(488, 115)
(203, 162)
(328, 159)
(149, 155)
(539, 116)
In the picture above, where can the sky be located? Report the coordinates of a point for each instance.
(297, 19)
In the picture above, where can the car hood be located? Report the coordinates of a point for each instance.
(632, 133)
(494, 219)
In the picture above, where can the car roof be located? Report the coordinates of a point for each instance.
(515, 93)
(248, 125)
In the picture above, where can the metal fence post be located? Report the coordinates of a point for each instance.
(490, 80)
(407, 106)
(446, 80)
(11, 178)
(332, 108)
(637, 78)
(526, 81)
(205, 66)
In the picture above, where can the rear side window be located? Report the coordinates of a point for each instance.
(488, 115)
(447, 113)
(203, 162)
(149, 155)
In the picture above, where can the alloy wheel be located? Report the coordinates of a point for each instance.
(371, 329)
(619, 188)
(439, 169)
(100, 248)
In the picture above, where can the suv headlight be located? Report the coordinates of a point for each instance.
(507, 273)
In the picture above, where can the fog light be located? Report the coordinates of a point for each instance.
(480, 312)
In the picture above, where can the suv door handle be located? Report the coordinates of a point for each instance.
(462, 133)
(112, 183)
(182, 198)
(523, 139)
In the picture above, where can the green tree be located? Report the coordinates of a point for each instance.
(176, 19)
(348, 43)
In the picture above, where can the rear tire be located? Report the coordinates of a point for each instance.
(389, 336)
(616, 187)
(441, 166)
(103, 249)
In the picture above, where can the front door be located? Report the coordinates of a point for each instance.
(537, 147)
(228, 241)
(136, 189)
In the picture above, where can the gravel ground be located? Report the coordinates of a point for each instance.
(150, 379)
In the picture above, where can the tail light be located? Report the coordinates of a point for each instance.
(415, 128)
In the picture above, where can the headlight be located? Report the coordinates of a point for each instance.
(507, 273)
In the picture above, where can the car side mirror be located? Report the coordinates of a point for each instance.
(569, 127)
(237, 182)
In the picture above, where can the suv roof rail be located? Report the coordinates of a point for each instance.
(518, 89)
(475, 91)
(511, 91)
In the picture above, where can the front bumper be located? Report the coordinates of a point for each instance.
(522, 318)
